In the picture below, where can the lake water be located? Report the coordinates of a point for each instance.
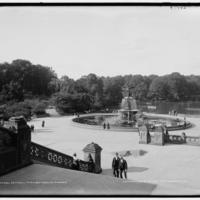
(188, 108)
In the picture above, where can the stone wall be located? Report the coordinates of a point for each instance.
(14, 146)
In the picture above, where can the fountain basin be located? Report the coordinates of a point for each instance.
(96, 121)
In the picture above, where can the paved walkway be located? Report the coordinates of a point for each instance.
(47, 180)
(173, 168)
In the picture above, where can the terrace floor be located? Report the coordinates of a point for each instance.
(161, 170)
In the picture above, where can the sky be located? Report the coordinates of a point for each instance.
(107, 41)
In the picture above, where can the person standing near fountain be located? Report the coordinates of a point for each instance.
(104, 125)
(43, 123)
(123, 167)
(108, 125)
(115, 165)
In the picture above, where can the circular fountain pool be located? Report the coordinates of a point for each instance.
(129, 118)
(97, 120)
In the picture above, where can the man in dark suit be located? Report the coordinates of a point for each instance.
(123, 167)
(115, 165)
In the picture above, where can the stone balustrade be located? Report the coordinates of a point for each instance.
(160, 136)
(53, 157)
(193, 140)
(17, 150)
(174, 139)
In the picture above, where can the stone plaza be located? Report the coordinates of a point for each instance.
(161, 170)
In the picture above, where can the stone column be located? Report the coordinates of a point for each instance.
(183, 135)
(95, 151)
(23, 132)
(144, 136)
(158, 137)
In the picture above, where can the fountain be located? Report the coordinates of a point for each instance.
(129, 114)
(129, 117)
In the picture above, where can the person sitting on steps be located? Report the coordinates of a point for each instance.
(75, 164)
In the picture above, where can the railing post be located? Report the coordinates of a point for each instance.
(144, 136)
(20, 127)
(183, 137)
(158, 137)
(93, 150)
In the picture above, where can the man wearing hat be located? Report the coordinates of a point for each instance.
(115, 165)
(123, 167)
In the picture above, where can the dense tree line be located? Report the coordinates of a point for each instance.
(96, 93)
(23, 88)
(22, 80)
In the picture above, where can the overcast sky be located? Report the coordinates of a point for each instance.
(107, 41)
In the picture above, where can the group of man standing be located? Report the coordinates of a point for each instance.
(119, 166)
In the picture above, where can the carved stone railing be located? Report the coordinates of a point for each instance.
(52, 157)
(192, 140)
(17, 150)
(178, 139)
(174, 139)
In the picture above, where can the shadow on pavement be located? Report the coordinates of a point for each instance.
(134, 153)
(109, 172)
(39, 179)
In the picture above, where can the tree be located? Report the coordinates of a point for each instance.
(72, 103)
(39, 109)
(112, 91)
(21, 79)
(17, 109)
(12, 91)
(159, 89)
(177, 86)
(139, 86)
(54, 85)
(93, 86)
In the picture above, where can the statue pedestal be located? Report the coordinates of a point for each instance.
(144, 135)
(158, 136)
